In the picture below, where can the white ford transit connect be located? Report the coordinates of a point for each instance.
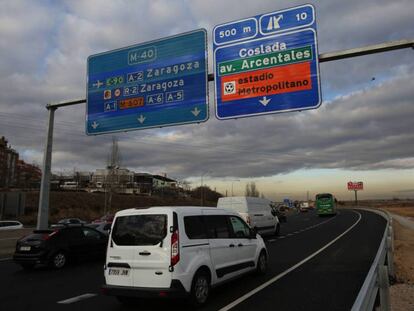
(257, 212)
(178, 251)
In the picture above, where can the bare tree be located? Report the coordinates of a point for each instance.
(186, 185)
(251, 190)
(247, 192)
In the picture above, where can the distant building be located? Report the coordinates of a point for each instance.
(28, 175)
(159, 181)
(15, 173)
(83, 179)
(143, 183)
(118, 176)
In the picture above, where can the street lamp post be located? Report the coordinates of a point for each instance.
(202, 188)
(232, 185)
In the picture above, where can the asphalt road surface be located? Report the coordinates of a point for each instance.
(314, 264)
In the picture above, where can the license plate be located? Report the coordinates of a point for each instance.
(25, 248)
(118, 272)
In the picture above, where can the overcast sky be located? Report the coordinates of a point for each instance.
(364, 129)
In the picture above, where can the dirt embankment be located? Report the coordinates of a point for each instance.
(404, 253)
(402, 292)
(89, 206)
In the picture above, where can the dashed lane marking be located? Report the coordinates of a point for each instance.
(310, 227)
(77, 298)
(5, 259)
(279, 276)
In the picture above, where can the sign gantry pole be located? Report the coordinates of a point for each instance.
(43, 214)
(43, 209)
(356, 197)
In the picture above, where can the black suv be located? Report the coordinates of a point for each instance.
(56, 246)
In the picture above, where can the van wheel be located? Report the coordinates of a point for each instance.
(200, 288)
(277, 230)
(261, 267)
(58, 260)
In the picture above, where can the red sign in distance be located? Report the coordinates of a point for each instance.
(352, 185)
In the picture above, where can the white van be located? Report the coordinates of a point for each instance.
(257, 212)
(178, 251)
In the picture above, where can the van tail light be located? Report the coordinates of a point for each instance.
(248, 220)
(175, 248)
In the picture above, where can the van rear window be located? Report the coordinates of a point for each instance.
(140, 229)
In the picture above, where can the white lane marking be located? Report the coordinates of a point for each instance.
(272, 240)
(77, 298)
(281, 237)
(15, 238)
(311, 227)
(279, 276)
(5, 259)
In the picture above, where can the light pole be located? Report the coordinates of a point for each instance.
(202, 188)
(232, 185)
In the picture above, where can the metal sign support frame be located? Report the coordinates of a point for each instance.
(43, 209)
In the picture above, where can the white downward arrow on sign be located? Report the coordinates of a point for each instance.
(265, 101)
(94, 125)
(195, 112)
(141, 119)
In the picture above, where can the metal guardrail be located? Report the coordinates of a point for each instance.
(375, 290)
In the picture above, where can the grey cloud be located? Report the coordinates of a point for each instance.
(369, 129)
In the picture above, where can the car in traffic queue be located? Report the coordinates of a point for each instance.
(106, 218)
(166, 252)
(10, 225)
(103, 227)
(280, 212)
(71, 221)
(57, 246)
(256, 212)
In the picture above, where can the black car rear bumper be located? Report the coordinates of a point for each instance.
(36, 258)
(176, 290)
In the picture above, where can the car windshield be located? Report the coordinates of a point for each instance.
(139, 229)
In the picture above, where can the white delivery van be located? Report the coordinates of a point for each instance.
(257, 212)
(178, 251)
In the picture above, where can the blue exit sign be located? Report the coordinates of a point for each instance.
(154, 84)
(267, 64)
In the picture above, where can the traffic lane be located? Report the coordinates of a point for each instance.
(301, 221)
(329, 281)
(43, 287)
(283, 254)
(8, 240)
(88, 277)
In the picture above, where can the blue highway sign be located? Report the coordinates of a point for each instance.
(154, 84)
(267, 64)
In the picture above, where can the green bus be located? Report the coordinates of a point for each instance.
(325, 204)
